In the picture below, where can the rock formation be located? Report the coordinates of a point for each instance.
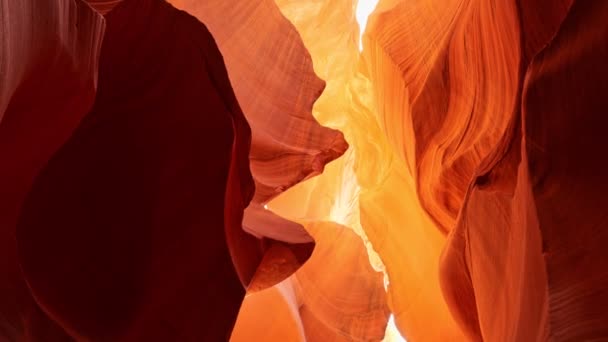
(178, 170)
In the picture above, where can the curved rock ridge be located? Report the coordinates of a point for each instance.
(273, 79)
(138, 201)
(288, 145)
(546, 253)
(111, 154)
(276, 86)
(444, 76)
(335, 296)
(343, 300)
(370, 189)
(459, 62)
(432, 114)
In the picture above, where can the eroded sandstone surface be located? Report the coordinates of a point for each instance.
(190, 170)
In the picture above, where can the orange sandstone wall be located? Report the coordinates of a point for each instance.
(155, 175)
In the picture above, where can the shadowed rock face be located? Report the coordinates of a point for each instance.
(124, 227)
(48, 75)
(545, 249)
(132, 228)
(150, 178)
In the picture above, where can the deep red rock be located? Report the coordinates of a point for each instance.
(122, 236)
(48, 69)
(527, 261)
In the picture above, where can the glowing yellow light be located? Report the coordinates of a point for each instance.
(364, 9)
(392, 334)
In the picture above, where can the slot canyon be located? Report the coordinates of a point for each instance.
(303, 170)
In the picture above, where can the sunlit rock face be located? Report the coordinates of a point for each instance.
(288, 145)
(434, 110)
(444, 79)
(168, 167)
(272, 76)
(335, 296)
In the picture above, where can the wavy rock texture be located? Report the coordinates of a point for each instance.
(347, 305)
(333, 196)
(432, 106)
(272, 75)
(445, 86)
(543, 189)
(334, 297)
(102, 161)
(371, 190)
(507, 270)
(474, 178)
(288, 145)
(460, 76)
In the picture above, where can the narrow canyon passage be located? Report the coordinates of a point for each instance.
(303, 170)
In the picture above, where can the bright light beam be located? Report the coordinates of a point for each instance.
(392, 334)
(364, 9)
